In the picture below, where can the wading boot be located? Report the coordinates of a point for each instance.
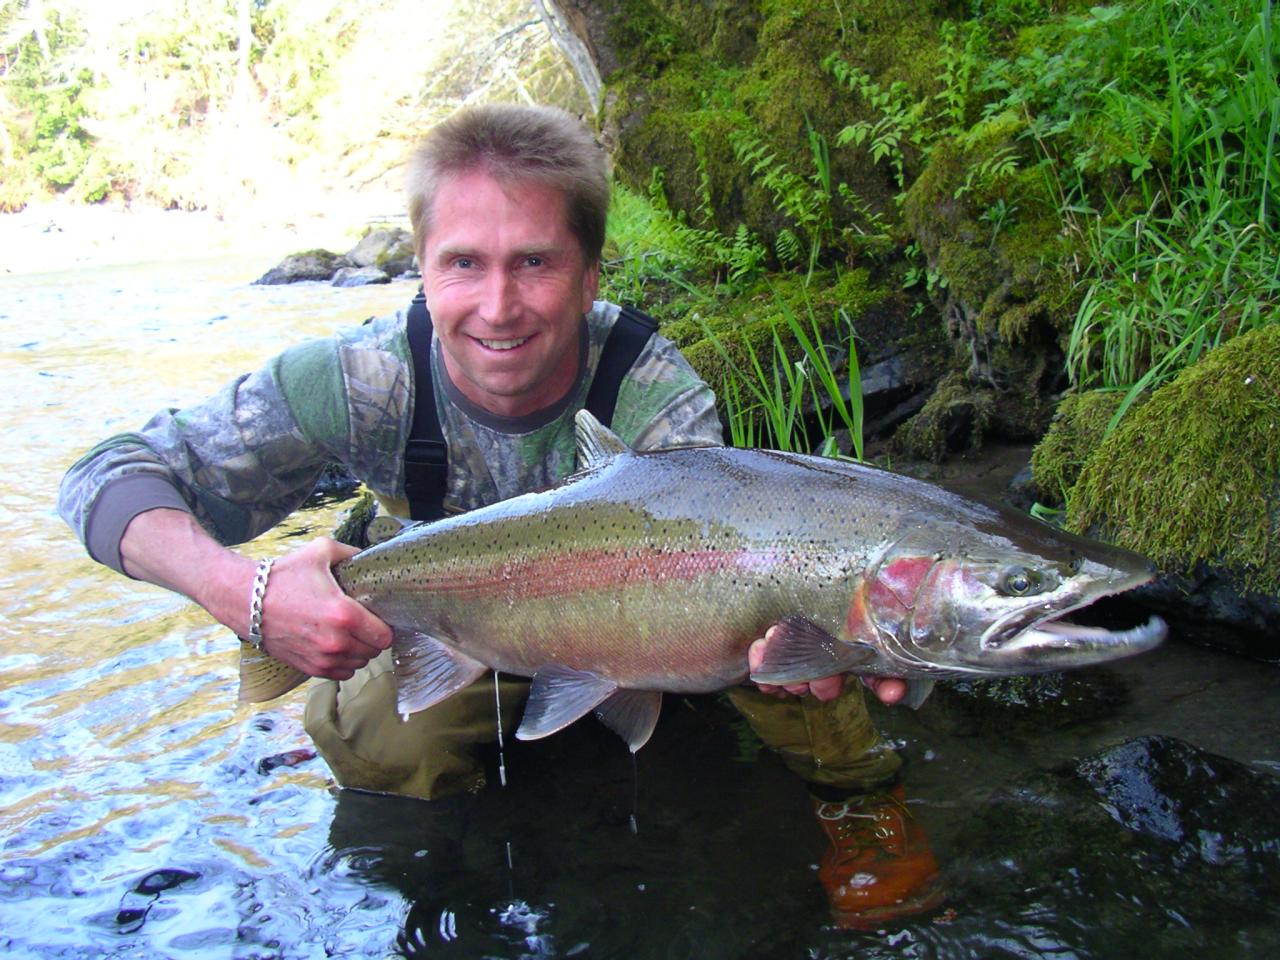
(878, 867)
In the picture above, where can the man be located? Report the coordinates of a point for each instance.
(508, 208)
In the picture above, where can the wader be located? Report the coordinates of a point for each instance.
(433, 753)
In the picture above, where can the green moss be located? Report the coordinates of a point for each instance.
(747, 323)
(1194, 475)
(956, 413)
(1079, 425)
(642, 33)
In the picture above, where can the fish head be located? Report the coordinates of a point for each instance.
(960, 598)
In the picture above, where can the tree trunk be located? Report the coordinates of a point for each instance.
(569, 29)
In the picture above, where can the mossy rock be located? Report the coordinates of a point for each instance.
(1193, 476)
(698, 73)
(747, 324)
(355, 522)
(955, 417)
(317, 264)
(1078, 426)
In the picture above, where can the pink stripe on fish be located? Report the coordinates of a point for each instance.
(601, 570)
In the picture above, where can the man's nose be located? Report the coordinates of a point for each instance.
(499, 300)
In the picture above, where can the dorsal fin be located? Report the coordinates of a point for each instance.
(597, 444)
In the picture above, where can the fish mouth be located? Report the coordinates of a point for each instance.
(1052, 643)
(1049, 641)
(1074, 639)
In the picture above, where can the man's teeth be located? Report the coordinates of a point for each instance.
(504, 344)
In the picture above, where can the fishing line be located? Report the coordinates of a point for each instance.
(502, 753)
(635, 792)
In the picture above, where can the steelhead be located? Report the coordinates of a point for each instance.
(647, 572)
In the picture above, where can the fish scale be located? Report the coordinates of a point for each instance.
(654, 571)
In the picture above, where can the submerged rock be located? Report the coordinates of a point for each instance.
(1024, 705)
(1155, 841)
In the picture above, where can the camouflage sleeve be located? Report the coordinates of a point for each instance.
(662, 403)
(240, 462)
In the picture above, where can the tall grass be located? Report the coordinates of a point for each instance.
(772, 400)
(1198, 260)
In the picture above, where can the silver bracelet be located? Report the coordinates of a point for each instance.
(259, 593)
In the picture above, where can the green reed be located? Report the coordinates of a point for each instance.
(771, 395)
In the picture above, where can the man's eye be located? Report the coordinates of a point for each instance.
(533, 261)
(464, 263)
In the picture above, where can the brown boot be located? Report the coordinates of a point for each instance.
(879, 867)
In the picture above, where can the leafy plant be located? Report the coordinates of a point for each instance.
(806, 200)
(769, 396)
(1199, 261)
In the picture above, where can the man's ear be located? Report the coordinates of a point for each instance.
(590, 285)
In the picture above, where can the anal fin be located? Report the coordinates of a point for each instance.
(560, 695)
(632, 715)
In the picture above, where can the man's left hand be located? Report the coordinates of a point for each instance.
(889, 690)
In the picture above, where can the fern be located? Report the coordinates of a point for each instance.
(901, 121)
(788, 247)
(806, 201)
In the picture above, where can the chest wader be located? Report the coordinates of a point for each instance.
(432, 754)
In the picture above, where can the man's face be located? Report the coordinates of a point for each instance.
(507, 285)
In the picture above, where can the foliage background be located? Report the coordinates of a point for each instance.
(215, 104)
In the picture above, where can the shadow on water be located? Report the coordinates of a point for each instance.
(550, 865)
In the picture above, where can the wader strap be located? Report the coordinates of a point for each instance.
(631, 331)
(426, 456)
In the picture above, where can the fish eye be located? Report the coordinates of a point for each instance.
(1021, 582)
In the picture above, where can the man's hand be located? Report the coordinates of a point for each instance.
(889, 690)
(307, 621)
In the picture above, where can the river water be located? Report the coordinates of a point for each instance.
(144, 812)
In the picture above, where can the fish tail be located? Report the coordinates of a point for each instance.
(263, 677)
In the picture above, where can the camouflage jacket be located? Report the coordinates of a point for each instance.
(245, 459)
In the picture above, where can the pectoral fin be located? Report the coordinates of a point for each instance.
(263, 677)
(429, 670)
(632, 715)
(558, 696)
(800, 651)
(917, 693)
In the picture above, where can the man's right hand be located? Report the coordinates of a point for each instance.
(307, 621)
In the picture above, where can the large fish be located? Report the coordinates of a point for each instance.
(654, 571)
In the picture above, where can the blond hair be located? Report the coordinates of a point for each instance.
(512, 143)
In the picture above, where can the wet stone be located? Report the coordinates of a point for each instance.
(1166, 845)
(160, 880)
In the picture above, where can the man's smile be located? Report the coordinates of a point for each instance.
(503, 344)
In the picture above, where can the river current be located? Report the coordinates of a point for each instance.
(144, 812)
